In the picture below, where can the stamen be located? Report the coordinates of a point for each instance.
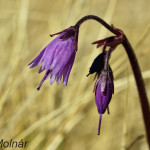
(99, 125)
(44, 78)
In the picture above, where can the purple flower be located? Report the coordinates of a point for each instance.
(58, 56)
(104, 88)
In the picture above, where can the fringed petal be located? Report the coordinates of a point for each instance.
(44, 78)
(37, 60)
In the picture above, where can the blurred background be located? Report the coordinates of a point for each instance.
(66, 118)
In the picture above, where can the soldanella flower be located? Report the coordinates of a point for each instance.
(104, 88)
(58, 56)
(57, 59)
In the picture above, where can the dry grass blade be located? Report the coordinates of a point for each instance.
(48, 118)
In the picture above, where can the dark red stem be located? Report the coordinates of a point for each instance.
(140, 86)
(101, 21)
(135, 67)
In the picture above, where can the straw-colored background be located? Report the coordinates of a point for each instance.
(66, 118)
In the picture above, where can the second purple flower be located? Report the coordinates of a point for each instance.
(58, 56)
(104, 88)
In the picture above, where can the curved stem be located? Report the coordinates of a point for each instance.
(135, 67)
(140, 85)
(101, 21)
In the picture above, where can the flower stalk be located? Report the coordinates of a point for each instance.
(140, 86)
(122, 39)
(58, 56)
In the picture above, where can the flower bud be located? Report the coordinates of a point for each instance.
(104, 88)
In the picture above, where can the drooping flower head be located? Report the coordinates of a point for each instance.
(58, 56)
(104, 88)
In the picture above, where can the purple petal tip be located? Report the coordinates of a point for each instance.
(64, 84)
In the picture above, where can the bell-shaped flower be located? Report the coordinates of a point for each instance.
(104, 88)
(58, 56)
